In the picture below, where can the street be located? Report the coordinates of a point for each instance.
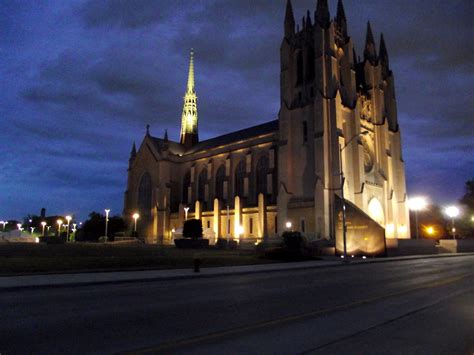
(410, 307)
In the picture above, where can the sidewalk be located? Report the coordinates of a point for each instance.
(83, 279)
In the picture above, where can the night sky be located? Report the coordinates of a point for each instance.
(81, 79)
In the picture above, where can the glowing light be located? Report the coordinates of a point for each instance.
(288, 225)
(390, 228)
(173, 230)
(452, 211)
(240, 230)
(402, 229)
(19, 226)
(135, 217)
(68, 219)
(417, 203)
(430, 230)
(375, 210)
(37, 240)
(364, 257)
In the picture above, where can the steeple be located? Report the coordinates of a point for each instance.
(289, 20)
(189, 118)
(165, 138)
(308, 20)
(383, 57)
(370, 52)
(341, 20)
(322, 14)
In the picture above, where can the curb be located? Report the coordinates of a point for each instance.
(192, 275)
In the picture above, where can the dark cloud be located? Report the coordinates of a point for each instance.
(80, 81)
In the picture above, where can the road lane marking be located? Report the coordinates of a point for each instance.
(257, 326)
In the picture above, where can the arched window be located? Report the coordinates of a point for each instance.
(186, 183)
(239, 179)
(220, 178)
(144, 195)
(202, 185)
(262, 172)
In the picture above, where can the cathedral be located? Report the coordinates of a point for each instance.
(332, 153)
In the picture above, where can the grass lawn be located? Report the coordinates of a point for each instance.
(17, 259)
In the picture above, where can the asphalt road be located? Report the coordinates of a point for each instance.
(405, 307)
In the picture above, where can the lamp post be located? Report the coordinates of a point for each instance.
(4, 223)
(452, 212)
(107, 211)
(288, 225)
(19, 226)
(68, 219)
(32, 229)
(417, 204)
(344, 227)
(59, 222)
(43, 224)
(135, 217)
(186, 209)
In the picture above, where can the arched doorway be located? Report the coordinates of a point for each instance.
(376, 212)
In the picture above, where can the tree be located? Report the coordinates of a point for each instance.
(94, 227)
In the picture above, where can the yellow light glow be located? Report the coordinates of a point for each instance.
(390, 228)
(430, 230)
(43, 223)
(59, 221)
(288, 225)
(375, 210)
(68, 218)
(136, 216)
(402, 229)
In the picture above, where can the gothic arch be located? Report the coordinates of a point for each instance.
(144, 195)
(376, 212)
(186, 184)
(220, 178)
(202, 181)
(240, 179)
(261, 175)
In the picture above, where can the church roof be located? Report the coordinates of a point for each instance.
(226, 139)
(233, 137)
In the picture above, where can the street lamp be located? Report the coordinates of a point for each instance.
(32, 229)
(4, 223)
(186, 209)
(43, 224)
(452, 212)
(288, 225)
(107, 211)
(59, 222)
(135, 217)
(68, 219)
(343, 179)
(417, 204)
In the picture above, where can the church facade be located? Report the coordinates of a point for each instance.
(336, 136)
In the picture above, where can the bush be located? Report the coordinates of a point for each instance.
(221, 243)
(293, 241)
(192, 229)
(232, 244)
(191, 243)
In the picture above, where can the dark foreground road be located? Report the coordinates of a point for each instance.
(410, 307)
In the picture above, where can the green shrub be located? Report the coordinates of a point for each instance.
(192, 229)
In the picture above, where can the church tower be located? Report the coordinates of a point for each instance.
(189, 120)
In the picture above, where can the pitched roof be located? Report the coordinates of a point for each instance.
(237, 136)
(229, 138)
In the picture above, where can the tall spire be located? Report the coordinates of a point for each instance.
(341, 20)
(289, 20)
(383, 57)
(308, 20)
(322, 13)
(133, 155)
(189, 118)
(370, 52)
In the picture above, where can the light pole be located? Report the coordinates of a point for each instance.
(135, 217)
(59, 222)
(32, 229)
(107, 211)
(68, 219)
(186, 209)
(344, 227)
(417, 204)
(452, 212)
(4, 223)
(43, 224)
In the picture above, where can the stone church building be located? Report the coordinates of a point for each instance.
(336, 136)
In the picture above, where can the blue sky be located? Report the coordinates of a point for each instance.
(81, 79)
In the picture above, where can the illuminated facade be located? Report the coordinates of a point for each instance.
(337, 111)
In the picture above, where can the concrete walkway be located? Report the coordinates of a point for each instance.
(92, 278)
